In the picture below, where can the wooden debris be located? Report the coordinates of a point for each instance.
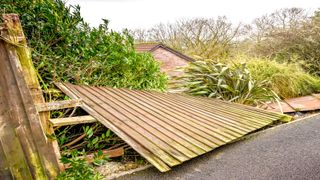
(56, 105)
(108, 153)
(305, 103)
(72, 120)
(298, 104)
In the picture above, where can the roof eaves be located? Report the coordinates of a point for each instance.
(172, 51)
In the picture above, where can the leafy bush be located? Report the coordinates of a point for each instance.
(79, 170)
(65, 48)
(217, 80)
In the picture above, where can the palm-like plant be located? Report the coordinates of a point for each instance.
(217, 80)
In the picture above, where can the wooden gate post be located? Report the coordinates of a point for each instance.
(12, 36)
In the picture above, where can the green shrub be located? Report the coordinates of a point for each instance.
(226, 82)
(65, 48)
(79, 170)
(286, 80)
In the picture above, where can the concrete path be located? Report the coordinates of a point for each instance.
(290, 151)
(298, 104)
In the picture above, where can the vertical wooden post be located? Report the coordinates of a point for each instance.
(14, 34)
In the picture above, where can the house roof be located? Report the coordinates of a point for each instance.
(165, 128)
(150, 47)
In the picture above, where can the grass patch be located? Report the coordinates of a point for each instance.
(287, 80)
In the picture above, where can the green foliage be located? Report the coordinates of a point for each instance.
(98, 139)
(65, 48)
(89, 138)
(232, 83)
(286, 80)
(79, 170)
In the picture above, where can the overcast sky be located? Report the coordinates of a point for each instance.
(145, 13)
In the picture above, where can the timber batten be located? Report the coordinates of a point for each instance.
(168, 129)
(72, 120)
(57, 105)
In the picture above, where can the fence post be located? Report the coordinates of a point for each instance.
(16, 45)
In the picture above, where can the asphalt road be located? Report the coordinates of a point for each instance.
(290, 151)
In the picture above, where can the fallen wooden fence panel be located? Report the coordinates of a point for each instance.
(168, 129)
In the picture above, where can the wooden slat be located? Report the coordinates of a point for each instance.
(256, 110)
(72, 120)
(108, 153)
(118, 152)
(224, 120)
(176, 109)
(56, 105)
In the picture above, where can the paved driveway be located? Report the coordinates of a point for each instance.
(290, 151)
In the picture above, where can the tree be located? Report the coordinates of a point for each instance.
(288, 35)
(280, 20)
(208, 38)
(65, 48)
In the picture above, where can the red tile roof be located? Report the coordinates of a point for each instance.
(150, 47)
(145, 47)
